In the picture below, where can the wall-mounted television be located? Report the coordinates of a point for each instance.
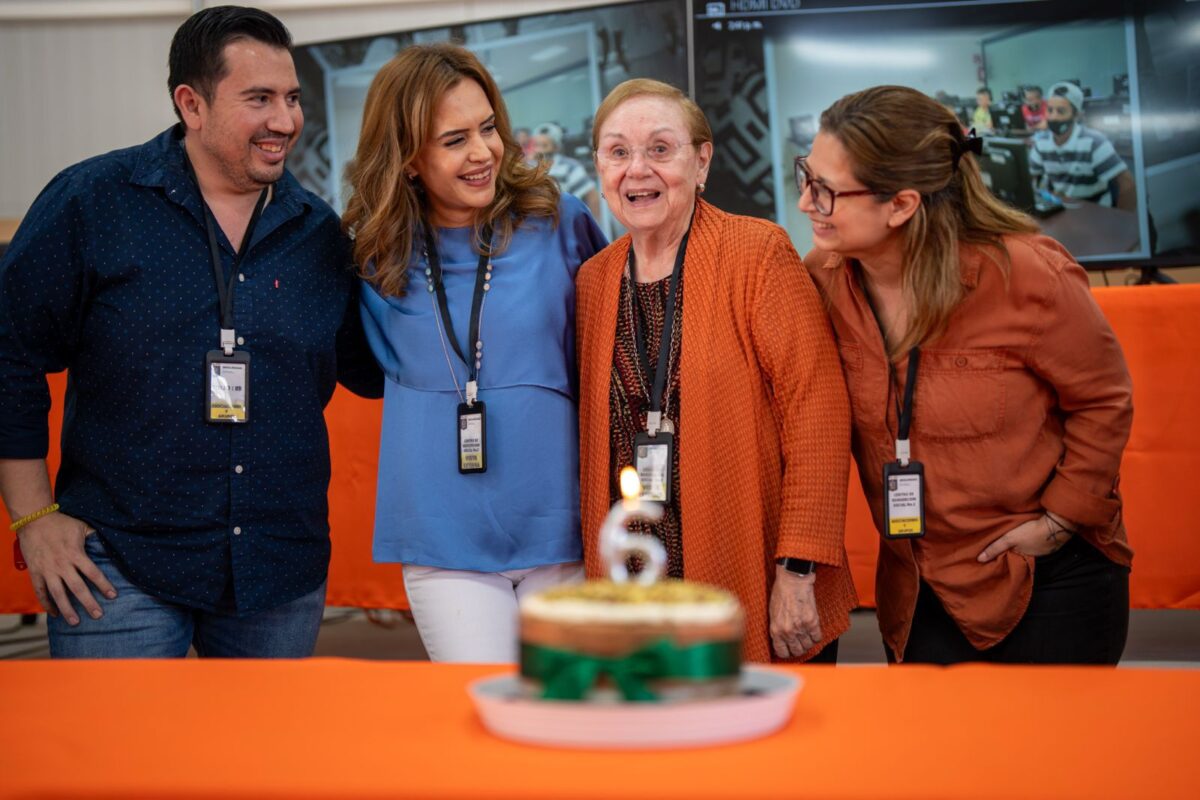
(553, 69)
(766, 69)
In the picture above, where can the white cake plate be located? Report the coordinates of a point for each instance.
(762, 705)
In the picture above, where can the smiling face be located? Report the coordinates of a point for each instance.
(860, 226)
(254, 118)
(459, 162)
(646, 195)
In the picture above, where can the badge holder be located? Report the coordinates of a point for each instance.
(903, 496)
(472, 434)
(227, 384)
(654, 457)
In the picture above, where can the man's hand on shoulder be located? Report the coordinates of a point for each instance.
(53, 549)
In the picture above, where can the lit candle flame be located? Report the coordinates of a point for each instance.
(631, 485)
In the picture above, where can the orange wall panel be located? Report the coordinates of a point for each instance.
(1159, 329)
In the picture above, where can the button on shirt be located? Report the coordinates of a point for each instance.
(110, 277)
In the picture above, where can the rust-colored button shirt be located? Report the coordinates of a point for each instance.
(1024, 404)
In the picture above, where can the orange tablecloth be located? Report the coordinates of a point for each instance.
(1158, 326)
(349, 729)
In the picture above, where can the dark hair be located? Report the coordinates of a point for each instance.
(197, 56)
(984, 90)
(1032, 88)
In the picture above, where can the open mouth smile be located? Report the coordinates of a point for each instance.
(478, 179)
(642, 197)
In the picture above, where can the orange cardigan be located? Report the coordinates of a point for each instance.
(764, 418)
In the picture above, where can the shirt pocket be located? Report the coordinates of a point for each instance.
(960, 395)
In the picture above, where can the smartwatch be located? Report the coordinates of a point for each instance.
(797, 566)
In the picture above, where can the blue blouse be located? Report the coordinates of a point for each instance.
(524, 511)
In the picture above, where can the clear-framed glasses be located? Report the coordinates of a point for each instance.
(618, 155)
(822, 195)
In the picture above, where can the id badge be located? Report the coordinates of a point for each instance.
(227, 387)
(652, 458)
(903, 500)
(472, 438)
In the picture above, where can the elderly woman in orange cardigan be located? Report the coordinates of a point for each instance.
(707, 361)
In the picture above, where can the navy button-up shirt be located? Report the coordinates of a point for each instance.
(110, 277)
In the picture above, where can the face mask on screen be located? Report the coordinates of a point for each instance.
(1059, 126)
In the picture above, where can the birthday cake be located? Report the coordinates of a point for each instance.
(612, 641)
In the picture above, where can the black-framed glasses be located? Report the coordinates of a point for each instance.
(822, 195)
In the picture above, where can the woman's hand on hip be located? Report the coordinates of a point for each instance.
(795, 625)
(1038, 537)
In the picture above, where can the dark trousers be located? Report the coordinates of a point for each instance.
(826, 656)
(1078, 614)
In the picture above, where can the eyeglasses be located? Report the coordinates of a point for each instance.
(822, 195)
(618, 155)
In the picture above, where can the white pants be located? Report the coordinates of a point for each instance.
(472, 616)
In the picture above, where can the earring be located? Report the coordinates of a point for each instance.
(700, 187)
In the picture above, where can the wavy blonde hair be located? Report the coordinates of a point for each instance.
(899, 138)
(386, 209)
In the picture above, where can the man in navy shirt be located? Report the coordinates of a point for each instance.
(204, 306)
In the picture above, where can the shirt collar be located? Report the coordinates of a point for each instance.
(969, 257)
(161, 164)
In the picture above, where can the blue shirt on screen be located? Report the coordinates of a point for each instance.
(110, 277)
(524, 510)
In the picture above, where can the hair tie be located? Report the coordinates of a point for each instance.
(970, 144)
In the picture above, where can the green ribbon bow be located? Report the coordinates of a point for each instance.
(567, 675)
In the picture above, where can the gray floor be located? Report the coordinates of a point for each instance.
(1159, 639)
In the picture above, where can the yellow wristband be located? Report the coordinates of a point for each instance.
(28, 518)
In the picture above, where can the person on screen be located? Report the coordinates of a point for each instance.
(192, 493)
(702, 328)
(468, 259)
(1074, 161)
(524, 138)
(1033, 110)
(1020, 409)
(568, 172)
(981, 118)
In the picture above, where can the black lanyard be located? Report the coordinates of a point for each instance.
(481, 270)
(225, 286)
(658, 391)
(904, 412)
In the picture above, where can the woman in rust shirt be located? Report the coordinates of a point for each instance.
(1019, 405)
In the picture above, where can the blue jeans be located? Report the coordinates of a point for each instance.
(139, 625)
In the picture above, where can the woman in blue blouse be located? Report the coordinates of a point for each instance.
(469, 259)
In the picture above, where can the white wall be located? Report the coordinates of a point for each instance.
(72, 86)
(1093, 52)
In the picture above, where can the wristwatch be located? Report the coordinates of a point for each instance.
(797, 566)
